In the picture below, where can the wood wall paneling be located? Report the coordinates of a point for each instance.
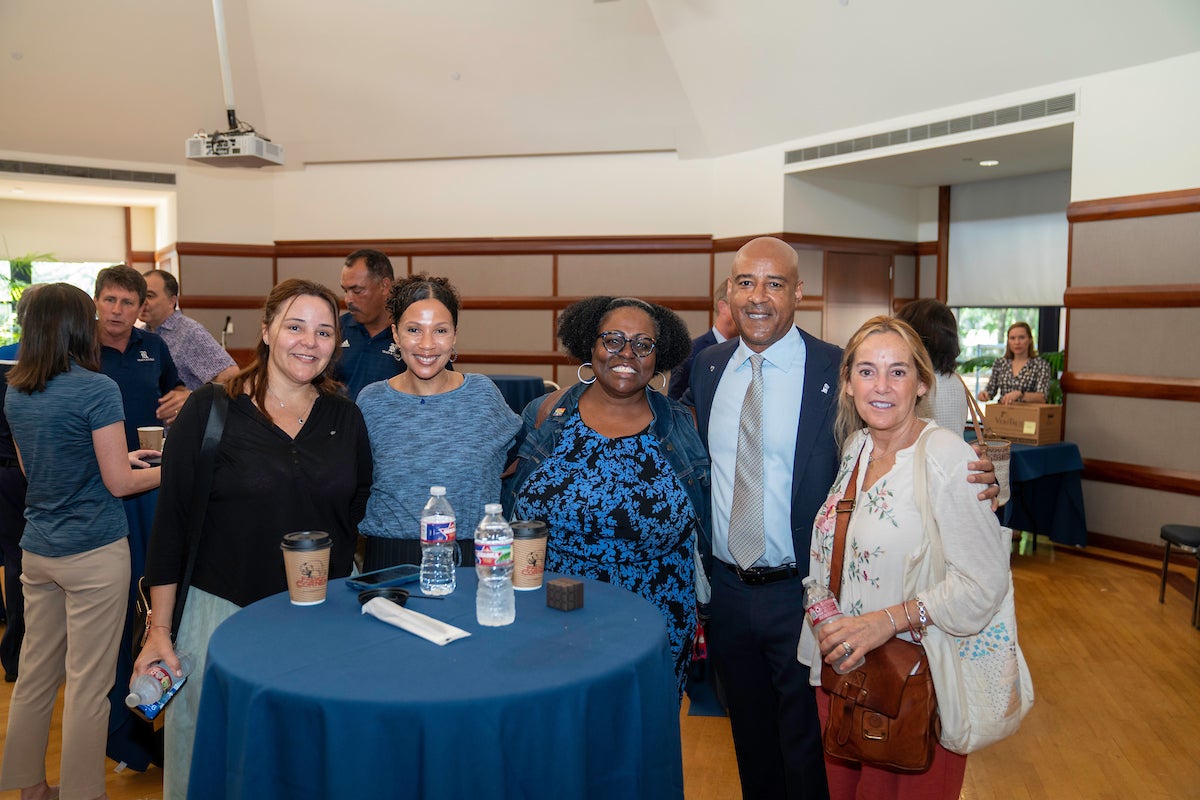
(1173, 295)
(1167, 480)
(1140, 205)
(943, 243)
(1143, 386)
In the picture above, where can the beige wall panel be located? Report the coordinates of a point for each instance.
(904, 276)
(491, 276)
(1135, 341)
(928, 286)
(812, 271)
(482, 329)
(327, 271)
(722, 266)
(230, 275)
(141, 227)
(1129, 512)
(247, 325)
(1141, 250)
(810, 322)
(1154, 433)
(635, 275)
(697, 322)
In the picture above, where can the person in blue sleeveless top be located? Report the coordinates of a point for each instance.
(67, 422)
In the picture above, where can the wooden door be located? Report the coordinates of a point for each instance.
(857, 287)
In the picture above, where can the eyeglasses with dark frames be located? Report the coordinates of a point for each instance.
(615, 341)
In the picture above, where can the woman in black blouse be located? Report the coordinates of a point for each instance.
(294, 456)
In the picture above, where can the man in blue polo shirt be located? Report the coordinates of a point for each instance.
(152, 394)
(366, 355)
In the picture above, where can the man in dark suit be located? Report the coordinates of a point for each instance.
(721, 330)
(757, 612)
(757, 607)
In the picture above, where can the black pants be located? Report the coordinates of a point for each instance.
(383, 552)
(752, 638)
(12, 526)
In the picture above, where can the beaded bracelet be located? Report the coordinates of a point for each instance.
(892, 620)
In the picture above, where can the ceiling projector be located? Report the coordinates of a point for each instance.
(234, 149)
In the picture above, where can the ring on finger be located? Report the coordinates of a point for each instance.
(849, 650)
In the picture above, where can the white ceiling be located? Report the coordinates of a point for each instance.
(375, 80)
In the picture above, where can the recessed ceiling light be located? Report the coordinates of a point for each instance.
(989, 162)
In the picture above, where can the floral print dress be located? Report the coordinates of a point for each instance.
(617, 513)
(885, 531)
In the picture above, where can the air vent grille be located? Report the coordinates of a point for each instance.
(1038, 109)
(91, 173)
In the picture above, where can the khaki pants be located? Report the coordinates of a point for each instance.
(74, 613)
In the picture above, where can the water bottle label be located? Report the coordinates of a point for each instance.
(437, 531)
(162, 675)
(493, 554)
(822, 610)
(151, 710)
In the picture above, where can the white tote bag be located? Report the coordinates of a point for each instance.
(983, 684)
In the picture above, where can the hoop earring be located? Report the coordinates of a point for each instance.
(579, 373)
(453, 355)
(660, 374)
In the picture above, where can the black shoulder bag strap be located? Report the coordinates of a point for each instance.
(202, 487)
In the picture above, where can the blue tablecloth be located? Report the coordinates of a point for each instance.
(322, 702)
(1047, 495)
(518, 390)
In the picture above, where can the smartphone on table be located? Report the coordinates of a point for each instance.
(388, 576)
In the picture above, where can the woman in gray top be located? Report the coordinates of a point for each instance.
(430, 426)
(68, 424)
(938, 329)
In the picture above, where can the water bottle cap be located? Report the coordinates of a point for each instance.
(492, 508)
(437, 491)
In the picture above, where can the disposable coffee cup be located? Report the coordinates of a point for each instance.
(529, 554)
(306, 561)
(999, 451)
(150, 437)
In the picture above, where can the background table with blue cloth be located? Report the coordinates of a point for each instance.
(1047, 494)
(324, 702)
(518, 390)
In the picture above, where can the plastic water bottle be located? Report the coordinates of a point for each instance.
(438, 544)
(494, 604)
(821, 607)
(151, 690)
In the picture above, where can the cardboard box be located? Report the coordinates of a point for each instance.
(1025, 423)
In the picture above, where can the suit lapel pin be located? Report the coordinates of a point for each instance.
(825, 389)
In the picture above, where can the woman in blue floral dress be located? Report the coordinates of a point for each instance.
(616, 470)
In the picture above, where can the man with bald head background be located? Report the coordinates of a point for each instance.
(757, 608)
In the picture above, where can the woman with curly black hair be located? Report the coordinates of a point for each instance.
(614, 468)
(430, 426)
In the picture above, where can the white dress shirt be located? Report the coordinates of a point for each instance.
(783, 388)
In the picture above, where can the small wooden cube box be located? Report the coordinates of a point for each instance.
(565, 594)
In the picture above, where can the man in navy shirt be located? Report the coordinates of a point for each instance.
(152, 394)
(366, 353)
(137, 360)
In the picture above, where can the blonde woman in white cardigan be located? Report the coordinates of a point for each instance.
(885, 372)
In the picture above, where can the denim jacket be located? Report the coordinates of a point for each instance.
(672, 426)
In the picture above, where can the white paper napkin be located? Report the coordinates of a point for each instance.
(416, 623)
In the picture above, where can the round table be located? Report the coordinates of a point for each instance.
(324, 702)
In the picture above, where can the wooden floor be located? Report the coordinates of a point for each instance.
(1117, 678)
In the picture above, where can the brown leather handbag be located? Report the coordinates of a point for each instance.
(885, 712)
